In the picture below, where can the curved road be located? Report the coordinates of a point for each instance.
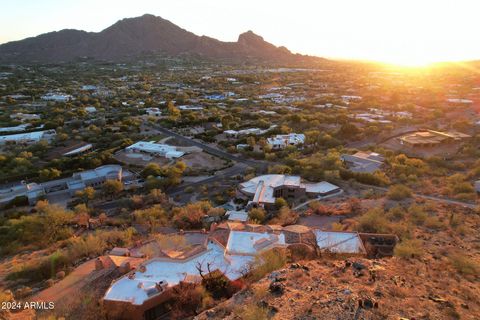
(209, 149)
(235, 170)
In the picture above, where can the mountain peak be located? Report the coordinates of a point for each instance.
(250, 37)
(131, 37)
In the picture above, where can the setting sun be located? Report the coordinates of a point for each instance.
(241, 159)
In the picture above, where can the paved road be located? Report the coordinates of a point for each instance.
(229, 172)
(377, 140)
(237, 169)
(210, 149)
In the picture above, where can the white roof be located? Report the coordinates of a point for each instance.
(237, 215)
(78, 150)
(339, 242)
(28, 136)
(287, 139)
(108, 170)
(152, 147)
(320, 187)
(251, 243)
(172, 271)
(21, 127)
(56, 97)
(256, 131)
(190, 107)
(262, 187)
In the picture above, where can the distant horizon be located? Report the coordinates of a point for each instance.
(401, 32)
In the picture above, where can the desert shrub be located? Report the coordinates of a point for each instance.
(236, 286)
(187, 300)
(51, 223)
(86, 247)
(434, 223)
(402, 230)
(216, 212)
(399, 192)
(463, 187)
(464, 265)
(76, 248)
(216, 284)
(369, 194)
(455, 220)
(252, 311)
(280, 203)
(41, 269)
(374, 220)
(408, 249)
(257, 215)
(260, 291)
(466, 196)
(191, 216)
(377, 178)
(285, 216)
(154, 216)
(396, 213)
(336, 226)
(267, 262)
(417, 214)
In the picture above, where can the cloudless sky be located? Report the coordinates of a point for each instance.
(398, 31)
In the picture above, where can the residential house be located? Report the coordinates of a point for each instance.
(262, 191)
(155, 149)
(363, 162)
(282, 141)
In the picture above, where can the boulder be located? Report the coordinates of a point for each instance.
(276, 288)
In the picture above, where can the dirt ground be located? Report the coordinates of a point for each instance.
(428, 287)
(203, 161)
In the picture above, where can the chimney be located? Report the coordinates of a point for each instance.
(99, 264)
(213, 227)
(124, 268)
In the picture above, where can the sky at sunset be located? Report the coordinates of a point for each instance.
(397, 31)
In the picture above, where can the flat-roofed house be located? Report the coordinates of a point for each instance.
(28, 137)
(363, 162)
(229, 249)
(282, 141)
(57, 97)
(156, 149)
(154, 112)
(80, 180)
(263, 190)
(431, 138)
(78, 149)
(25, 116)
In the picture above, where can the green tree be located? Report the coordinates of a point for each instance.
(257, 215)
(86, 194)
(280, 203)
(112, 187)
(151, 169)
